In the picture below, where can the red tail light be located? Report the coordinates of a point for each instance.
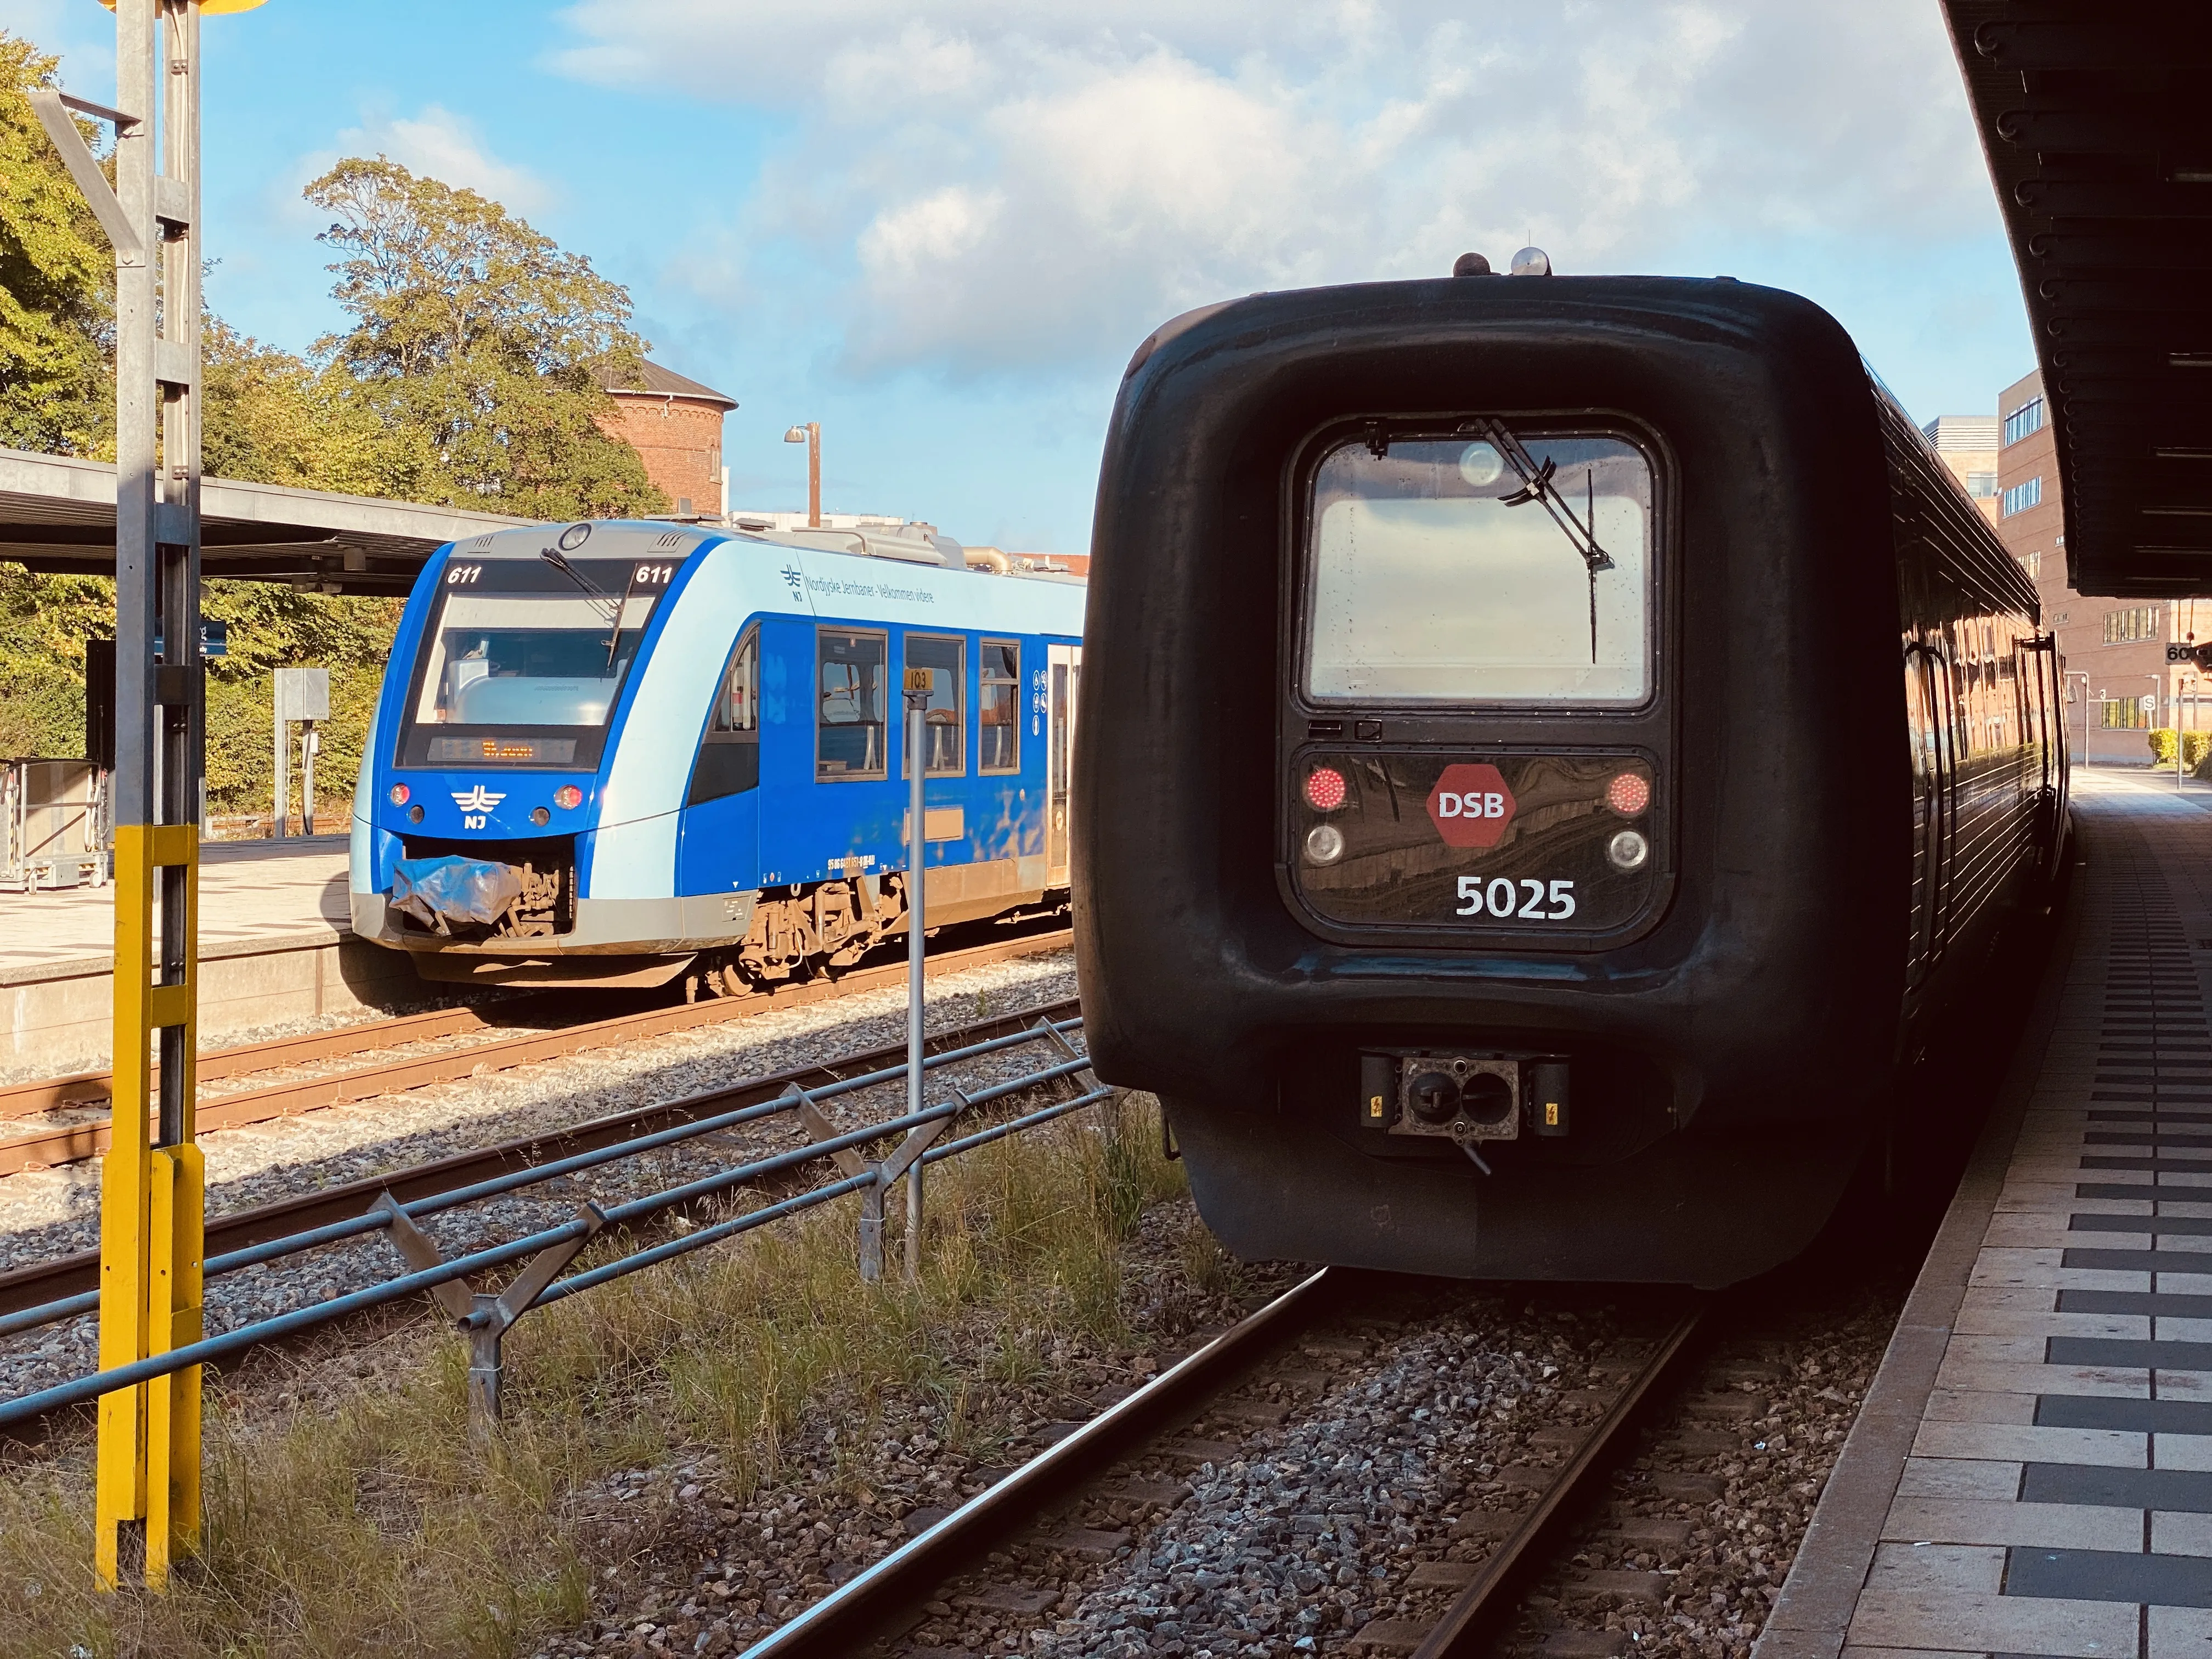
(1325, 790)
(1629, 793)
(567, 795)
(398, 794)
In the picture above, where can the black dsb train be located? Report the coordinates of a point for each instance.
(1559, 748)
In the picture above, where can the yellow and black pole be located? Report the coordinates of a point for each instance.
(147, 1485)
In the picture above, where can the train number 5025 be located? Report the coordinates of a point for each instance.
(1530, 901)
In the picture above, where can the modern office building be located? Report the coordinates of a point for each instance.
(1968, 446)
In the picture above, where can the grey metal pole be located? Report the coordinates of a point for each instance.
(917, 729)
(284, 782)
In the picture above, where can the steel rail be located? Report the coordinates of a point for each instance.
(71, 1143)
(40, 1288)
(48, 1094)
(880, 1600)
(873, 1602)
(211, 1350)
(1474, 1619)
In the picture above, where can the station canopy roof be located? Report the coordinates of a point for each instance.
(2097, 121)
(57, 513)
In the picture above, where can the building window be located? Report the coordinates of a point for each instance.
(2125, 713)
(2139, 622)
(849, 732)
(2021, 496)
(1000, 727)
(2032, 564)
(2027, 418)
(1981, 485)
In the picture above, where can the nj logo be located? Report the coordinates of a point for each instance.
(477, 799)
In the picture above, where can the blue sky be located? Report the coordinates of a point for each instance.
(939, 231)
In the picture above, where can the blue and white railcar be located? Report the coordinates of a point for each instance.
(612, 753)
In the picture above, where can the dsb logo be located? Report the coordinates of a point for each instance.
(1475, 803)
(1471, 805)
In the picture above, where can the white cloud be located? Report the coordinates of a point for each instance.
(1010, 187)
(442, 145)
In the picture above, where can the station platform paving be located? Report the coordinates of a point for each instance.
(276, 945)
(2031, 1470)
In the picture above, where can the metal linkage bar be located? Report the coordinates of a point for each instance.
(551, 1250)
(377, 1219)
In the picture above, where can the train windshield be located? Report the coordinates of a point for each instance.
(1500, 565)
(525, 661)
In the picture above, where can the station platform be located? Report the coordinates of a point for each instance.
(276, 945)
(2031, 1470)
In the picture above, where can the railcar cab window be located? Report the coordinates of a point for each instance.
(524, 660)
(848, 733)
(943, 717)
(1501, 564)
(999, 726)
(729, 750)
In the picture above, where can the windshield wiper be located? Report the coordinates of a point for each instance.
(1536, 486)
(613, 640)
(614, 606)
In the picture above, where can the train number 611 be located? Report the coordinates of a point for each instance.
(1525, 899)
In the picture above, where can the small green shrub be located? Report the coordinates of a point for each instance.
(2195, 747)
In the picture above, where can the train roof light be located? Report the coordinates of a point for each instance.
(1532, 262)
(1472, 265)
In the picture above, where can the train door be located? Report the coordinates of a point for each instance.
(1066, 663)
(1930, 716)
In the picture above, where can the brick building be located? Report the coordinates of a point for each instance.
(675, 425)
(2118, 683)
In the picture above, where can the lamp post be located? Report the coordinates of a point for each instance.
(811, 436)
(2156, 682)
(2185, 687)
(2071, 675)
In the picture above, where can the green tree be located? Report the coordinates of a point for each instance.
(485, 337)
(273, 418)
(57, 282)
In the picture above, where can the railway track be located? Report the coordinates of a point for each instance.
(76, 1275)
(49, 1145)
(884, 1603)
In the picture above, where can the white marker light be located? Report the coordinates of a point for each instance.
(1628, 850)
(1324, 843)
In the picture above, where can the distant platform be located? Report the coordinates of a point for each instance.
(275, 946)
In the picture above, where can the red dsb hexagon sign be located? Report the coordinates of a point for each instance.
(1471, 806)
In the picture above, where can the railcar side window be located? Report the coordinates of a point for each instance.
(849, 736)
(944, 720)
(736, 705)
(729, 750)
(999, 726)
(1512, 566)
